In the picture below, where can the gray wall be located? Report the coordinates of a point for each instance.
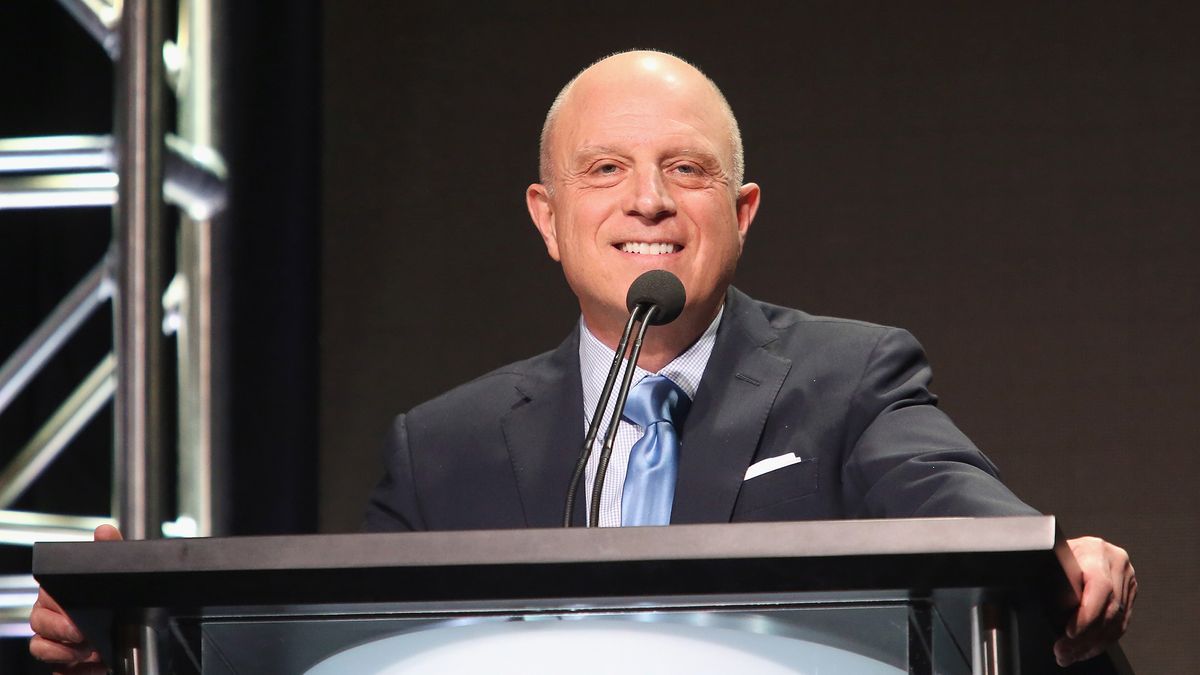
(1016, 185)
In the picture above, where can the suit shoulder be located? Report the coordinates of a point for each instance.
(491, 393)
(794, 324)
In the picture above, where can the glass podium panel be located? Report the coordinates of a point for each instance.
(777, 636)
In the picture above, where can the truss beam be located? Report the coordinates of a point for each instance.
(193, 175)
(140, 244)
(79, 408)
(55, 153)
(66, 318)
(100, 19)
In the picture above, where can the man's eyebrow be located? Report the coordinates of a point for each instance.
(703, 155)
(589, 151)
(594, 150)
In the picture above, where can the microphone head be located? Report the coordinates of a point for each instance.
(661, 288)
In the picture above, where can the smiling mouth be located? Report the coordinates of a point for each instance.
(641, 248)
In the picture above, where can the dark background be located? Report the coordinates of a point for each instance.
(1017, 184)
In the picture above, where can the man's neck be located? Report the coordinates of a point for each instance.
(662, 343)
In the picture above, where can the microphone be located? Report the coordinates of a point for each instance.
(657, 288)
(655, 298)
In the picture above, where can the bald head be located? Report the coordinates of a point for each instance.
(639, 73)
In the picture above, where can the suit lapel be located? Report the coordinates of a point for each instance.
(544, 434)
(721, 433)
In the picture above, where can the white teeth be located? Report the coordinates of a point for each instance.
(658, 248)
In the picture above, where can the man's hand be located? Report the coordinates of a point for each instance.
(1106, 605)
(57, 639)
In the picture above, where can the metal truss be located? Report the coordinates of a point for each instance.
(70, 171)
(135, 171)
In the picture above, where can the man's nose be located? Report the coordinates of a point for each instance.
(650, 198)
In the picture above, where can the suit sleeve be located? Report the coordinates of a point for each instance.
(904, 457)
(393, 505)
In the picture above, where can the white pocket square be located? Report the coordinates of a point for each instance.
(768, 465)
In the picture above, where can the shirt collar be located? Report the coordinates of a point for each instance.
(685, 370)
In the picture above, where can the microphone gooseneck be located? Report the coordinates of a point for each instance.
(655, 298)
(594, 427)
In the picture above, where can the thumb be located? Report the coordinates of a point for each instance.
(107, 533)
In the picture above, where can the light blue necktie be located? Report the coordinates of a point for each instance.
(655, 404)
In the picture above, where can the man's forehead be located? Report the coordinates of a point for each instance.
(619, 115)
(642, 80)
(653, 89)
(638, 91)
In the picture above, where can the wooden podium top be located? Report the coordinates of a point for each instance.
(818, 556)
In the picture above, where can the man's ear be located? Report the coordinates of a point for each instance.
(747, 205)
(541, 210)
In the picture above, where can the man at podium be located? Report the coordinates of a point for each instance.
(739, 410)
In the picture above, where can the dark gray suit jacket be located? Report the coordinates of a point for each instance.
(850, 399)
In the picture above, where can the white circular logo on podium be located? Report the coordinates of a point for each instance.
(594, 646)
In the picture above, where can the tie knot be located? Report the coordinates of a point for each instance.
(656, 399)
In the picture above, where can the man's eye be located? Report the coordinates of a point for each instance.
(607, 169)
(687, 169)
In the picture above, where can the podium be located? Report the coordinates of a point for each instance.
(954, 595)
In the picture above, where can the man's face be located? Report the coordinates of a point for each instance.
(642, 180)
